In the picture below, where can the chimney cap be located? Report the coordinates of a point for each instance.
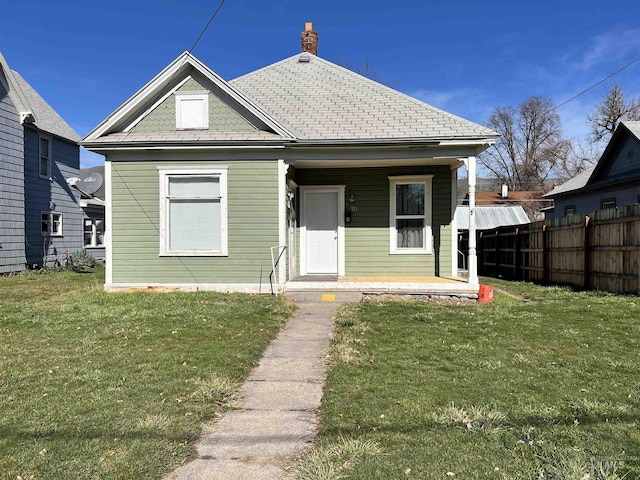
(308, 26)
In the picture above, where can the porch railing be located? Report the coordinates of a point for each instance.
(274, 263)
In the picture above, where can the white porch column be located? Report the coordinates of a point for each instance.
(283, 168)
(472, 259)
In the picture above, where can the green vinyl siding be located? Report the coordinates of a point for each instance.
(222, 117)
(367, 236)
(252, 226)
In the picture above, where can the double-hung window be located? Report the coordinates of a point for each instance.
(193, 211)
(51, 224)
(93, 232)
(608, 203)
(410, 214)
(44, 162)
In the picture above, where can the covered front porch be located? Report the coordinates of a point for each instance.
(375, 227)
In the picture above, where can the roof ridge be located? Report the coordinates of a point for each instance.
(284, 60)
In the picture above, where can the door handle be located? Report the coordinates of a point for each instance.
(335, 235)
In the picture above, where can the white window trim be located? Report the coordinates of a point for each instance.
(48, 139)
(426, 180)
(49, 232)
(165, 173)
(201, 95)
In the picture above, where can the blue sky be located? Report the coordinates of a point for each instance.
(85, 58)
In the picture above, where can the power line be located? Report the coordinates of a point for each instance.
(594, 85)
(207, 25)
(124, 182)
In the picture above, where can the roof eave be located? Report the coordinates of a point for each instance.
(409, 141)
(173, 145)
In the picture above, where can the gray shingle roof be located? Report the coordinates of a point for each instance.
(634, 128)
(318, 100)
(488, 217)
(186, 136)
(47, 119)
(575, 183)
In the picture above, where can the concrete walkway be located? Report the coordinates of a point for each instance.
(277, 415)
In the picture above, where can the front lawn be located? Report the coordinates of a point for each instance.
(116, 385)
(542, 384)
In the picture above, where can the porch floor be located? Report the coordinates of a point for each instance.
(383, 284)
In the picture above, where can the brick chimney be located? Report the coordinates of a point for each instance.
(309, 39)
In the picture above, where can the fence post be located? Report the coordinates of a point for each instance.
(586, 231)
(516, 259)
(545, 255)
(480, 248)
(496, 272)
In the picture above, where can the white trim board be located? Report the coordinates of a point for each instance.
(108, 220)
(194, 287)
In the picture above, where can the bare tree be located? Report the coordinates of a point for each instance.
(366, 70)
(530, 147)
(610, 111)
(583, 154)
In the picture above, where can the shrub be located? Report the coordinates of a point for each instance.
(81, 261)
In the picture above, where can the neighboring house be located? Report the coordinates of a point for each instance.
(40, 221)
(91, 187)
(352, 182)
(613, 182)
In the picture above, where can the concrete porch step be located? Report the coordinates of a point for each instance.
(313, 296)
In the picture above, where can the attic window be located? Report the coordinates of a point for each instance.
(192, 110)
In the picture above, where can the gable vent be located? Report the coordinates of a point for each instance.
(304, 59)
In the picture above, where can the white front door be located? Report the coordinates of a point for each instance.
(322, 221)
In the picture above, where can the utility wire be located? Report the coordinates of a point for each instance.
(207, 25)
(594, 85)
(124, 182)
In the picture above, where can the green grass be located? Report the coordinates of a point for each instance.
(542, 383)
(106, 385)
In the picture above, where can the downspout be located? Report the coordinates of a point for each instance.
(472, 260)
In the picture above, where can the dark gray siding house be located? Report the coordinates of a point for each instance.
(613, 182)
(12, 254)
(40, 215)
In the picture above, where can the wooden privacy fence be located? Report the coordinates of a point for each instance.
(596, 251)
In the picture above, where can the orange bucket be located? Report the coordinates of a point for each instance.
(485, 294)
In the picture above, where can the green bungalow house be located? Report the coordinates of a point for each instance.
(300, 175)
